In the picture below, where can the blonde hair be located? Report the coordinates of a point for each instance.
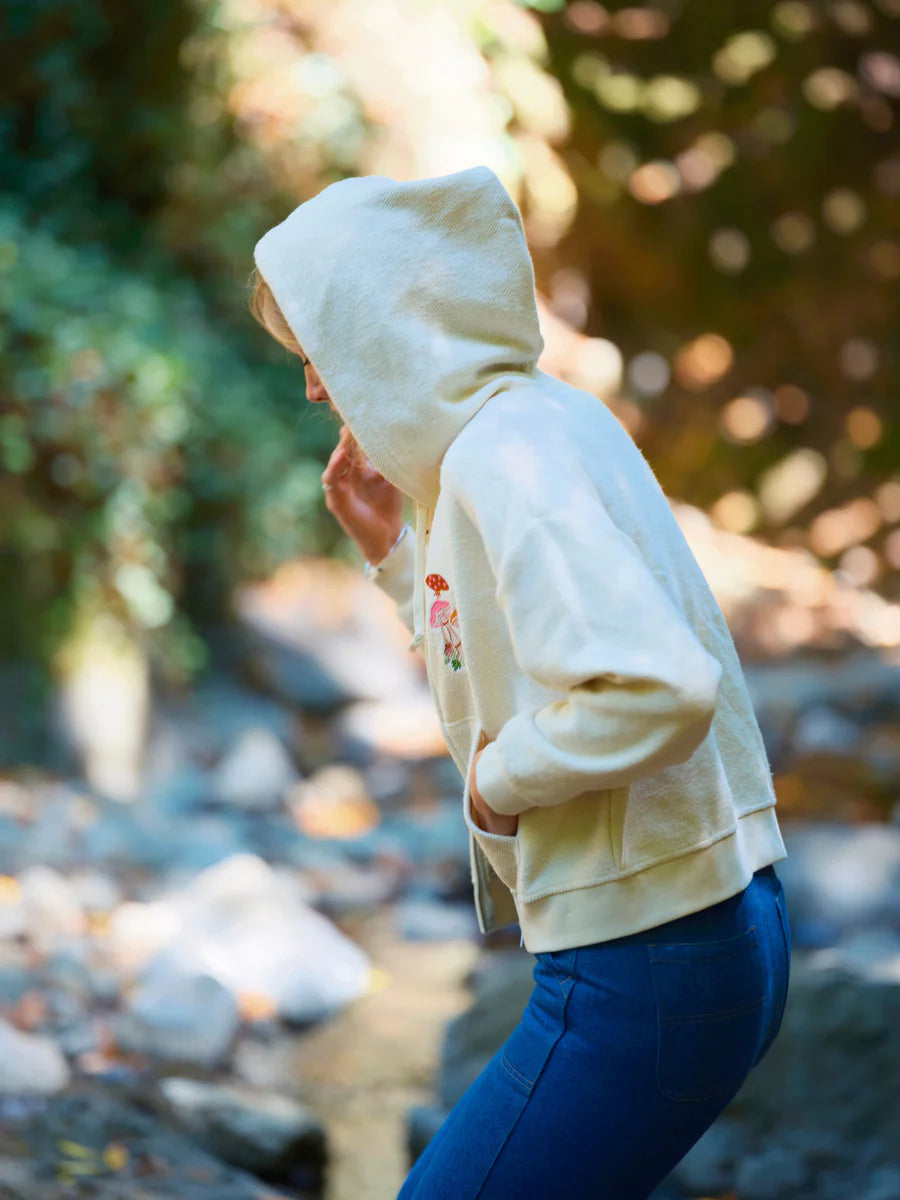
(267, 312)
(265, 309)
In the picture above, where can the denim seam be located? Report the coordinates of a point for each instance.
(786, 939)
(560, 980)
(515, 1073)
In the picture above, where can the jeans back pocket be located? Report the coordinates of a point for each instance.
(710, 1001)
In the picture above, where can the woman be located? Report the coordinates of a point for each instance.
(617, 794)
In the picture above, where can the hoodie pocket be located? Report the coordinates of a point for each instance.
(500, 849)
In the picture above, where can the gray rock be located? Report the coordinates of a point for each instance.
(184, 791)
(53, 836)
(863, 683)
(422, 918)
(116, 839)
(206, 841)
(821, 728)
(839, 877)
(15, 980)
(160, 1162)
(388, 782)
(433, 834)
(875, 951)
(194, 732)
(708, 1167)
(271, 1135)
(771, 1175)
(68, 970)
(884, 1183)
(880, 751)
(347, 886)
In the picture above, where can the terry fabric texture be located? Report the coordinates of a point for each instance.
(558, 606)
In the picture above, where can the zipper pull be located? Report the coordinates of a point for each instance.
(522, 938)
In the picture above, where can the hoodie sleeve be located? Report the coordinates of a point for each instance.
(587, 618)
(397, 577)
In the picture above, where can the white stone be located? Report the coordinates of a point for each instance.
(255, 773)
(32, 1065)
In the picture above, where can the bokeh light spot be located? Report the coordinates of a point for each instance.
(858, 358)
(746, 418)
(729, 250)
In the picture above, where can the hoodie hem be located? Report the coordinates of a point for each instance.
(658, 894)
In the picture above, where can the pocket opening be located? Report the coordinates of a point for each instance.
(501, 850)
(710, 949)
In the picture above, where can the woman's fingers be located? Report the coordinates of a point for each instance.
(344, 465)
(366, 504)
(337, 460)
(345, 473)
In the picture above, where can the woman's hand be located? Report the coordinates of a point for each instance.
(484, 816)
(365, 504)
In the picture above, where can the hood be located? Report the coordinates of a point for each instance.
(414, 301)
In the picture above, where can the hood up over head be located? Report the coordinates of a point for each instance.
(415, 303)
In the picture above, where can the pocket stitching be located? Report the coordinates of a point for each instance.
(547, 958)
(743, 939)
(559, 978)
(666, 1025)
(671, 1093)
(713, 1016)
(515, 1072)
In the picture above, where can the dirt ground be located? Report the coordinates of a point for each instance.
(361, 1071)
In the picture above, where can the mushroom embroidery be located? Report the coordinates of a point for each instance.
(443, 616)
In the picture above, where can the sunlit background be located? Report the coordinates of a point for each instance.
(238, 949)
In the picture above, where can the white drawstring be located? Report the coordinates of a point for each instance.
(423, 528)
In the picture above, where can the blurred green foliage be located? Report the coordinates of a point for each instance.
(155, 447)
(147, 462)
(93, 117)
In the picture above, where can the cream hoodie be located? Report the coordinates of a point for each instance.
(556, 601)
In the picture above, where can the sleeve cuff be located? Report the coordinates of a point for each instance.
(494, 785)
(396, 574)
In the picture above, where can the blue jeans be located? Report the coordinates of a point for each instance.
(626, 1052)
